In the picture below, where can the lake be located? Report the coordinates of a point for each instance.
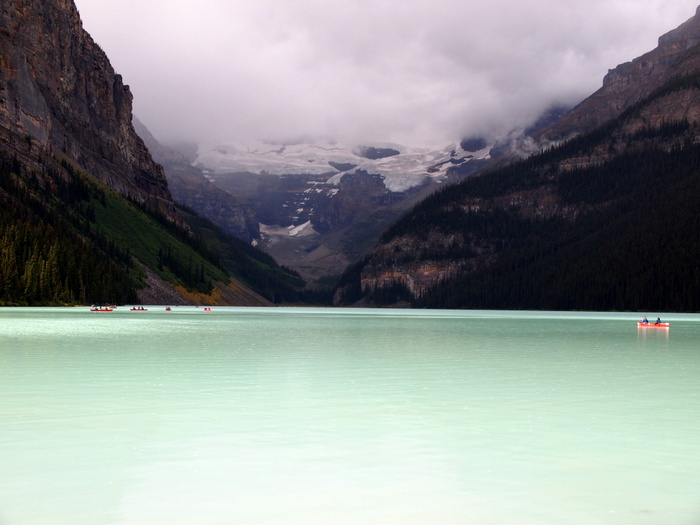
(347, 416)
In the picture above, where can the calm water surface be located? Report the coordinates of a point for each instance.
(324, 416)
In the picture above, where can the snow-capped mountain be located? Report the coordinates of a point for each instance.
(321, 205)
(400, 167)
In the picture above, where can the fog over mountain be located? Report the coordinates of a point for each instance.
(410, 72)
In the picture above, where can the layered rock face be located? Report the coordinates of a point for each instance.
(58, 88)
(677, 53)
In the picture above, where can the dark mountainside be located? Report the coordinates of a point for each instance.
(86, 215)
(58, 88)
(606, 221)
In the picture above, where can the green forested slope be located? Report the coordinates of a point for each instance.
(65, 238)
(50, 251)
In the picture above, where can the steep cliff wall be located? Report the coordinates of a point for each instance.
(677, 53)
(58, 88)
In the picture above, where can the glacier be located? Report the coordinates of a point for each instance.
(408, 168)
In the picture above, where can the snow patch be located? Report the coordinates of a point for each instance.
(302, 230)
(274, 230)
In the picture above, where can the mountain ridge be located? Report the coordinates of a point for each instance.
(485, 241)
(676, 54)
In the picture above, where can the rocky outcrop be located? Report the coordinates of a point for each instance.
(58, 88)
(419, 263)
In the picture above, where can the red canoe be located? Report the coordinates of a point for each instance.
(653, 325)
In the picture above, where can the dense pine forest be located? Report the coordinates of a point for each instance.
(50, 253)
(640, 252)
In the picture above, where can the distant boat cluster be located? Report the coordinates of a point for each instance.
(95, 308)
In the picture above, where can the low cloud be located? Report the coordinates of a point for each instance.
(416, 72)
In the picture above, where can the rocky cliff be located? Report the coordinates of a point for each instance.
(59, 90)
(677, 54)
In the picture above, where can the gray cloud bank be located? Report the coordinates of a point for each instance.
(417, 72)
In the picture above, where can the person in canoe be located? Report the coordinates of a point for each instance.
(645, 320)
(658, 320)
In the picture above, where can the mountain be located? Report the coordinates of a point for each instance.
(86, 214)
(190, 187)
(603, 221)
(59, 88)
(322, 205)
(675, 56)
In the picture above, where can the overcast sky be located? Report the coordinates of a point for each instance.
(416, 72)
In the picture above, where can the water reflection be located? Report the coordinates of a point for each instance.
(645, 333)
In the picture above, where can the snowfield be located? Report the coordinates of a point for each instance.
(400, 172)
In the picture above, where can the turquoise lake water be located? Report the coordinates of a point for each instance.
(344, 416)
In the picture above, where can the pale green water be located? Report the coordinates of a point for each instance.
(312, 416)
